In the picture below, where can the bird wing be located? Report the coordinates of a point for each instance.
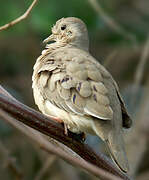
(126, 120)
(76, 86)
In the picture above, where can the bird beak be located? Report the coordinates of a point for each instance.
(50, 38)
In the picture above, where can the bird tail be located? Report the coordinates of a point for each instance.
(115, 143)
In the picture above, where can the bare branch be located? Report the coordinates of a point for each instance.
(141, 65)
(137, 138)
(110, 22)
(108, 61)
(98, 164)
(140, 71)
(50, 148)
(19, 19)
(45, 168)
(10, 162)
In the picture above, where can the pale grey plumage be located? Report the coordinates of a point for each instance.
(70, 84)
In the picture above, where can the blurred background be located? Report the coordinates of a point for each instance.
(119, 39)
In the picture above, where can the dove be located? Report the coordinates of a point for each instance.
(70, 85)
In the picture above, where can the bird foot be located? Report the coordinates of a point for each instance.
(79, 137)
(60, 121)
(65, 129)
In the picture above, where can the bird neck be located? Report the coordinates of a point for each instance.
(80, 43)
(79, 46)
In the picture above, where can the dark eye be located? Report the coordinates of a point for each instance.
(63, 27)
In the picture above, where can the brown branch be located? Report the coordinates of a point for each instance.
(19, 19)
(51, 149)
(50, 128)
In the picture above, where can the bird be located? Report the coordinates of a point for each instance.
(70, 85)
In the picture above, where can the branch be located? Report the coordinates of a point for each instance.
(138, 136)
(10, 162)
(138, 76)
(141, 65)
(51, 149)
(109, 59)
(38, 121)
(45, 168)
(19, 19)
(110, 22)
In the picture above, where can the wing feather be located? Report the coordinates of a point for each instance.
(78, 89)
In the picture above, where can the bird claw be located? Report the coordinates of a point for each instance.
(65, 129)
(79, 137)
(60, 121)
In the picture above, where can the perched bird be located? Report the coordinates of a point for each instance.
(70, 85)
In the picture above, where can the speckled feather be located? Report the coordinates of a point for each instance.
(82, 83)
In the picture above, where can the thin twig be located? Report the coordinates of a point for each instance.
(141, 65)
(138, 136)
(70, 171)
(138, 76)
(55, 130)
(10, 162)
(110, 22)
(19, 19)
(108, 61)
(45, 167)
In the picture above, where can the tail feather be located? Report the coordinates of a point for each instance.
(113, 138)
(116, 147)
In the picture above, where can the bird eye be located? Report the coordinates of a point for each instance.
(63, 27)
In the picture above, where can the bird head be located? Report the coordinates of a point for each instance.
(70, 31)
